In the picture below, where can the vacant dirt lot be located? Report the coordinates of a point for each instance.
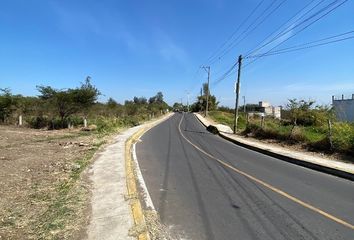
(42, 195)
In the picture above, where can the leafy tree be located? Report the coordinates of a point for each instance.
(178, 106)
(299, 110)
(111, 103)
(152, 100)
(200, 104)
(131, 108)
(61, 102)
(140, 100)
(86, 95)
(69, 101)
(158, 98)
(303, 112)
(7, 104)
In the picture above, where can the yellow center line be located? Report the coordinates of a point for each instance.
(284, 194)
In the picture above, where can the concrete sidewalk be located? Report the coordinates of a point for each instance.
(334, 167)
(111, 216)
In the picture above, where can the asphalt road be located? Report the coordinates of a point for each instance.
(205, 187)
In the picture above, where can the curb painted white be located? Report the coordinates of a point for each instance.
(146, 195)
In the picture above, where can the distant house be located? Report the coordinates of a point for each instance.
(269, 110)
(266, 109)
(344, 108)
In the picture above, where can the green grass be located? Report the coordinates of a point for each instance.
(314, 134)
(227, 118)
(315, 137)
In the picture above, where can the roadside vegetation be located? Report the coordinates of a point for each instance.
(66, 108)
(303, 123)
(44, 193)
(313, 127)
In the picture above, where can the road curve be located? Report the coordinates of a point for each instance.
(205, 187)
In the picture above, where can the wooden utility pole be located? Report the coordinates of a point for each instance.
(207, 69)
(237, 93)
(244, 104)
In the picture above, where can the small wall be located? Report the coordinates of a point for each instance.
(344, 109)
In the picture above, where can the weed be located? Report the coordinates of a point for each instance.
(315, 137)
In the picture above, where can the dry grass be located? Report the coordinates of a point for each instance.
(43, 193)
(156, 229)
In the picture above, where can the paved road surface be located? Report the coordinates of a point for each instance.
(205, 187)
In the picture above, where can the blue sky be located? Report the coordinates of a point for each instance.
(139, 47)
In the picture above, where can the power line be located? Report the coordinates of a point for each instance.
(235, 43)
(298, 23)
(284, 24)
(305, 27)
(302, 21)
(308, 43)
(298, 47)
(238, 28)
(226, 74)
(230, 71)
(232, 44)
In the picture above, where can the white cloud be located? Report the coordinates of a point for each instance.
(169, 50)
(74, 21)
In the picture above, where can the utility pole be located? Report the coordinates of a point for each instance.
(244, 104)
(188, 101)
(237, 93)
(207, 69)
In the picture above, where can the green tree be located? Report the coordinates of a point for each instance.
(158, 98)
(140, 100)
(200, 104)
(111, 103)
(178, 106)
(86, 95)
(301, 112)
(7, 104)
(66, 102)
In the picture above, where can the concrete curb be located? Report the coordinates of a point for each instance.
(132, 180)
(300, 162)
(137, 211)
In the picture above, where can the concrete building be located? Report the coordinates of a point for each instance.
(344, 108)
(269, 110)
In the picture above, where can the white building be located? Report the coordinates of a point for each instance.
(269, 110)
(344, 108)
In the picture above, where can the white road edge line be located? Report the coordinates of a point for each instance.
(146, 195)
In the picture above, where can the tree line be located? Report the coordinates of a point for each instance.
(62, 108)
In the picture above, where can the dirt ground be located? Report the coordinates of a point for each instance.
(42, 193)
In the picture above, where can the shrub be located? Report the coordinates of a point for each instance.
(321, 145)
(297, 135)
(76, 121)
(38, 122)
(343, 137)
(106, 124)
